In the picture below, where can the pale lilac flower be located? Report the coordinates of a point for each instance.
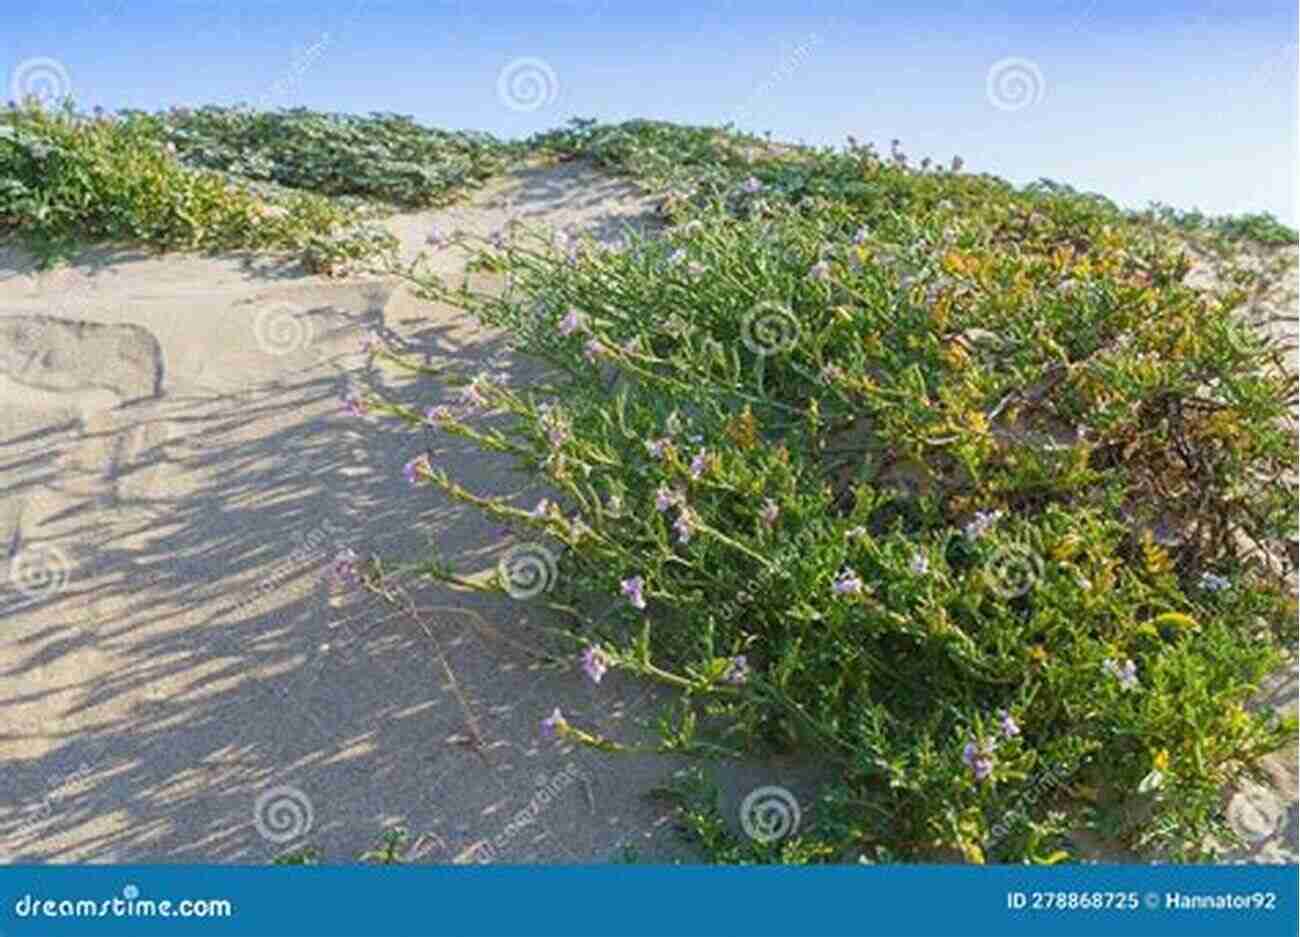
(592, 350)
(437, 238)
(558, 434)
(676, 257)
(657, 447)
(498, 239)
(920, 564)
(769, 512)
(1212, 583)
(979, 758)
(470, 395)
(345, 567)
(543, 508)
(553, 724)
(666, 498)
(571, 323)
(821, 271)
(737, 670)
(699, 464)
(1008, 725)
(416, 467)
(595, 663)
(981, 523)
(435, 416)
(634, 589)
(684, 525)
(862, 235)
(752, 185)
(355, 404)
(1126, 675)
(847, 583)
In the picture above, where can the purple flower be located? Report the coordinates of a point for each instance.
(345, 567)
(595, 663)
(666, 498)
(737, 670)
(677, 257)
(1008, 725)
(1126, 675)
(821, 271)
(470, 395)
(862, 235)
(498, 239)
(634, 589)
(437, 237)
(979, 758)
(355, 405)
(571, 323)
(699, 464)
(417, 466)
(558, 434)
(657, 447)
(592, 350)
(684, 525)
(553, 724)
(769, 512)
(980, 524)
(831, 374)
(920, 564)
(1211, 582)
(435, 416)
(543, 508)
(752, 185)
(847, 583)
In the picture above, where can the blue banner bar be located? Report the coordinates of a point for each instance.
(648, 901)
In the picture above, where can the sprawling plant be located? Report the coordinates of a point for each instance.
(960, 489)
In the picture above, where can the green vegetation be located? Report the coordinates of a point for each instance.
(952, 486)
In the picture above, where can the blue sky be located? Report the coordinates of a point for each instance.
(1192, 103)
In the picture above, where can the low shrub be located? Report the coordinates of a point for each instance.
(951, 486)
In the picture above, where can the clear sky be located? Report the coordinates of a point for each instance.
(1190, 103)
